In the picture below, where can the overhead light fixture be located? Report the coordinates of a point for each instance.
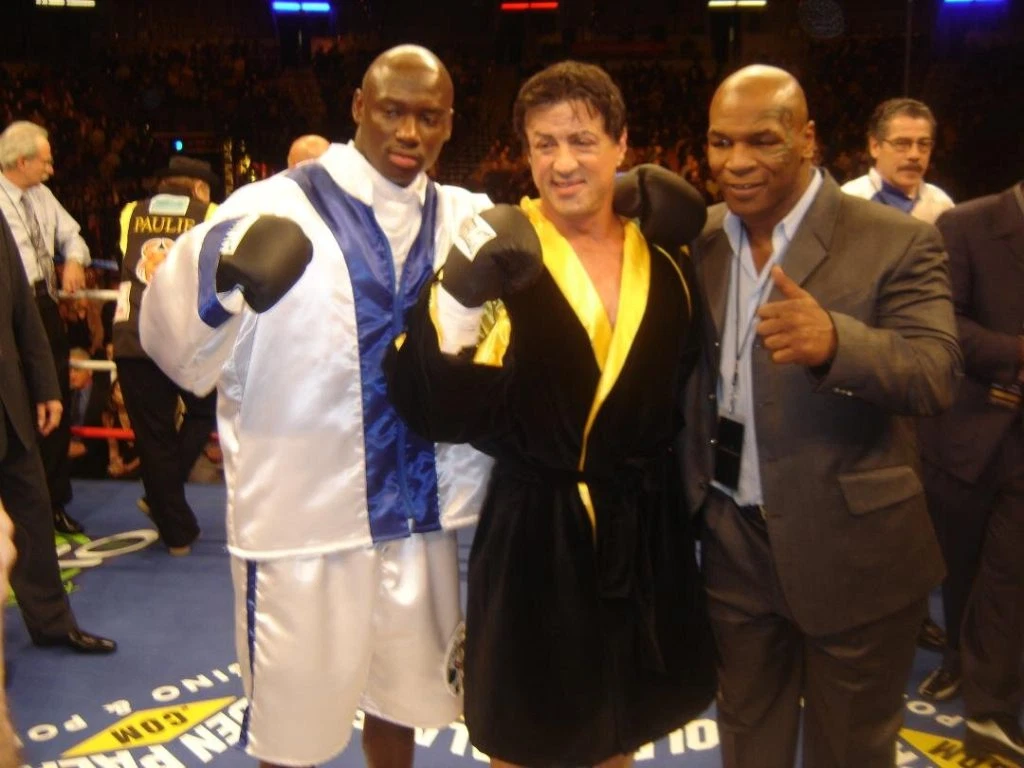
(66, 3)
(733, 4)
(529, 6)
(294, 6)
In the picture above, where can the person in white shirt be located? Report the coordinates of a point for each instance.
(901, 138)
(42, 229)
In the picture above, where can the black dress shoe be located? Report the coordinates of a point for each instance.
(80, 641)
(931, 636)
(65, 523)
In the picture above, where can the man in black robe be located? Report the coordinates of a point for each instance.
(586, 633)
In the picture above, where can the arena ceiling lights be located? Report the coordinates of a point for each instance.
(66, 3)
(291, 6)
(510, 7)
(734, 5)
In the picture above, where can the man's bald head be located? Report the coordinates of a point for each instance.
(407, 58)
(403, 112)
(773, 86)
(760, 144)
(308, 147)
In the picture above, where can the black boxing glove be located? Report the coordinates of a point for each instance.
(494, 254)
(670, 212)
(264, 256)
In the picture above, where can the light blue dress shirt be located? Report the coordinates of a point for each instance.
(753, 290)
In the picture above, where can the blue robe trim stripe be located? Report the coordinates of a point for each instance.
(210, 310)
(250, 630)
(401, 474)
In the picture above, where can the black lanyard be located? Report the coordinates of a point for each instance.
(738, 345)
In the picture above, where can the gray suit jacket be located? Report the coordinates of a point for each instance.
(985, 240)
(27, 373)
(846, 516)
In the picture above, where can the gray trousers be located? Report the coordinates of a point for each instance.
(851, 682)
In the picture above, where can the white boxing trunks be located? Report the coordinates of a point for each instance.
(371, 628)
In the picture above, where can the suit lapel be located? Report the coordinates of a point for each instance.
(1009, 227)
(715, 263)
(809, 246)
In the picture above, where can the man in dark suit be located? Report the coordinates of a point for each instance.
(830, 322)
(27, 377)
(974, 473)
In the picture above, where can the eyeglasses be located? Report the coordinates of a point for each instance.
(903, 145)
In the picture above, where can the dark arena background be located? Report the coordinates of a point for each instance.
(123, 84)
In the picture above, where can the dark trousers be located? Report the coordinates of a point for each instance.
(35, 577)
(54, 447)
(981, 530)
(852, 682)
(167, 451)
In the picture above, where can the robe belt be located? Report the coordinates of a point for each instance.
(622, 493)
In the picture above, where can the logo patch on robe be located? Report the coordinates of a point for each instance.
(454, 660)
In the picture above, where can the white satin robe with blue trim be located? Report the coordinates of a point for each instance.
(290, 395)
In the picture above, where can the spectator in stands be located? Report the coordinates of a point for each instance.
(973, 457)
(901, 137)
(308, 147)
(42, 229)
(83, 322)
(167, 446)
(123, 459)
(90, 393)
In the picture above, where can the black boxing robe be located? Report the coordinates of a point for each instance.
(586, 629)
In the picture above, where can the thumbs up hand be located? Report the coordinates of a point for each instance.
(796, 329)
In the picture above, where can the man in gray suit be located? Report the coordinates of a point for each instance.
(830, 324)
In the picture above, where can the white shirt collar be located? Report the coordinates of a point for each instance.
(877, 181)
(11, 188)
(353, 173)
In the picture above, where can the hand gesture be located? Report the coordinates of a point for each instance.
(48, 416)
(73, 277)
(796, 329)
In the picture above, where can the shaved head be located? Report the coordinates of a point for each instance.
(761, 145)
(403, 112)
(308, 147)
(408, 58)
(775, 86)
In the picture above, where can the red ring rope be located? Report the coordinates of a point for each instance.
(116, 433)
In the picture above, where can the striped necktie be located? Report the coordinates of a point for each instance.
(44, 259)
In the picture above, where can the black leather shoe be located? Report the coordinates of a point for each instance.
(931, 636)
(65, 523)
(999, 735)
(78, 640)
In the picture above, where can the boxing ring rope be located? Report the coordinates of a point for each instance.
(99, 433)
(96, 294)
(103, 433)
(94, 365)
